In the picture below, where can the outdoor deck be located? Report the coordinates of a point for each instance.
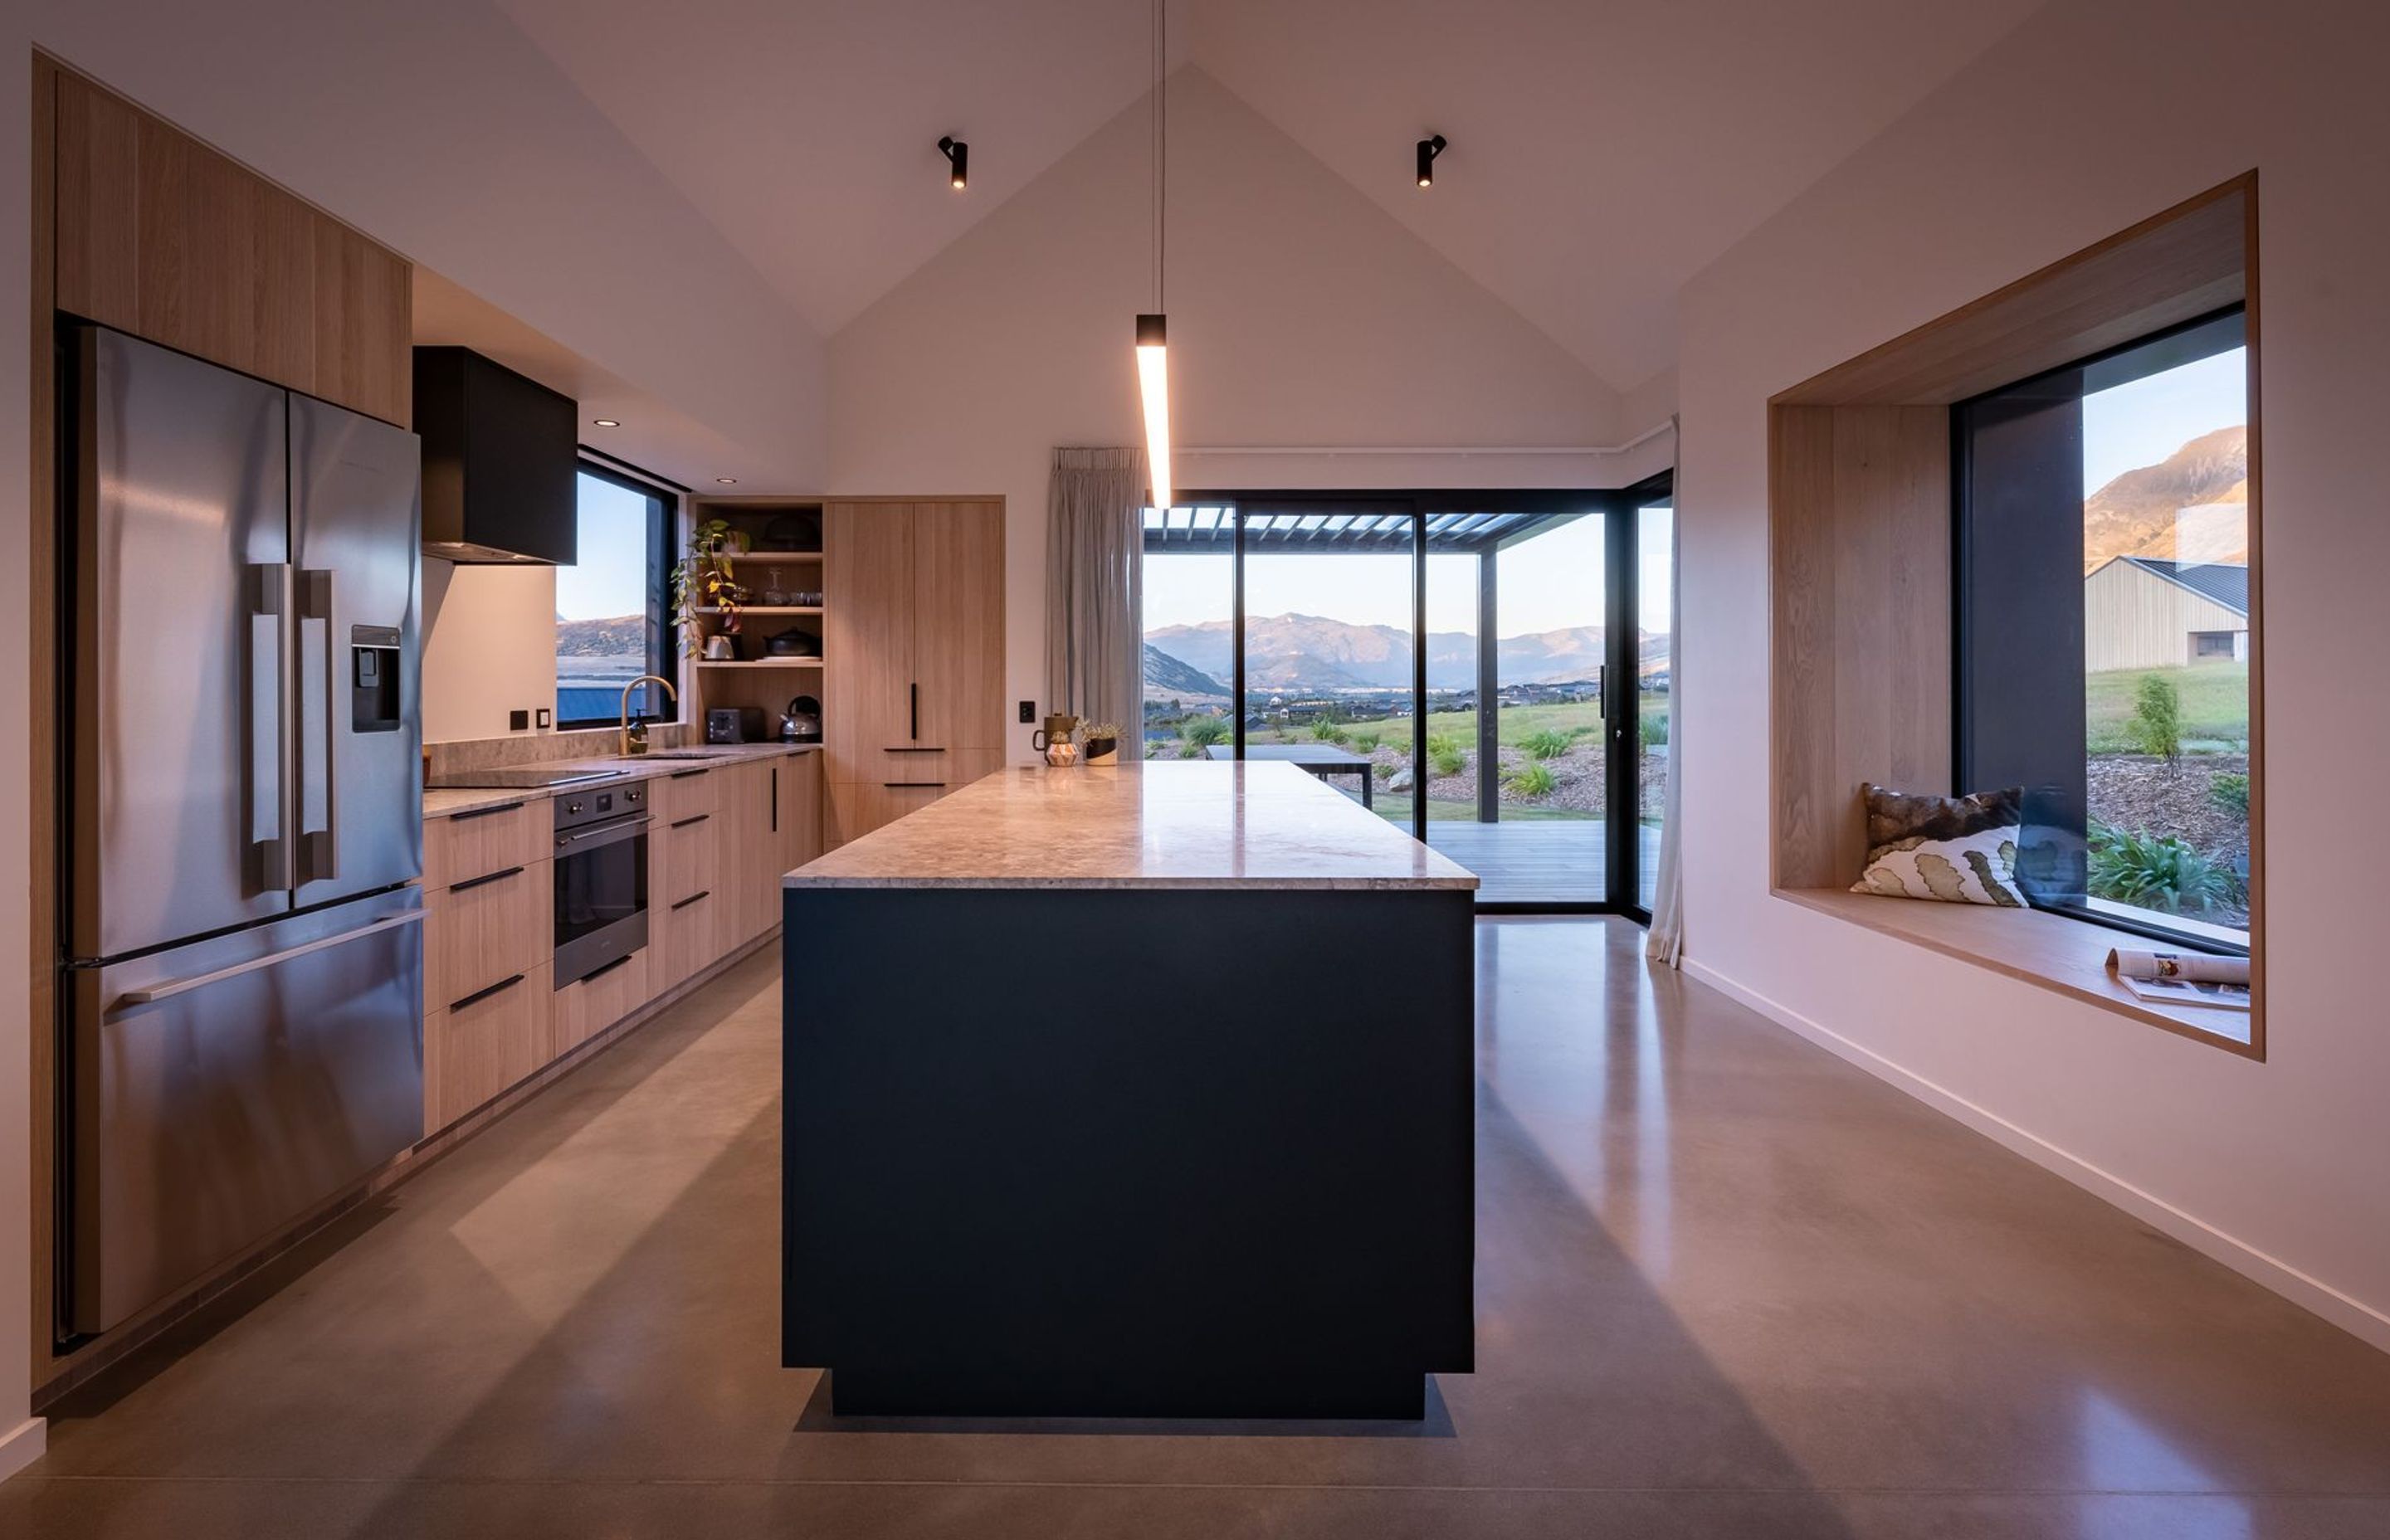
(1539, 862)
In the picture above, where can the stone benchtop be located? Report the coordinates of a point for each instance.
(445, 802)
(1163, 825)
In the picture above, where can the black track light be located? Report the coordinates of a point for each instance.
(958, 157)
(1429, 148)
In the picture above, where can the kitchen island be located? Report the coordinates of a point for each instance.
(1135, 1092)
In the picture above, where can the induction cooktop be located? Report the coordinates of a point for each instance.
(531, 778)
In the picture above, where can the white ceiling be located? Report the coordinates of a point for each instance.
(1603, 151)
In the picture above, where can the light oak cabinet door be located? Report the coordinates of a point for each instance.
(159, 236)
(959, 623)
(748, 847)
(684, 875)
(589, 1005)
(364, 322)
(477, 1048)
(868, 638)
(916, 608)
(858, 807)
(487, 929)
(801, 816)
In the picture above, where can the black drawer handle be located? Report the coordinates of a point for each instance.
(481, 881)
(917, 711)
(685, 774)
(484, 811)
(896, 784)
(916, 748)
(692, 898)
(601, 973)
(480, 994)
(686, 822)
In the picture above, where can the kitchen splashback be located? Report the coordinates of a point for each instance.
(498, 754)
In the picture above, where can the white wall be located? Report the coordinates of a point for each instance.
(489, 647)
(1299, 313)
(2091, 116)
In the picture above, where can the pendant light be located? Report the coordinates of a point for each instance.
(1153, 328)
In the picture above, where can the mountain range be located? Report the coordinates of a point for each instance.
(1312, 652)
(609, 636)
(2187, 507)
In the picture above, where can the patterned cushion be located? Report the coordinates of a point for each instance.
(1960, 850)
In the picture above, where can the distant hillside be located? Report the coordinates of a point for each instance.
(2143, 511)
(1167, 678)
(612, 637)
(1313, 652)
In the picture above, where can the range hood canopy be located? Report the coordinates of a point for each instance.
(500, 455)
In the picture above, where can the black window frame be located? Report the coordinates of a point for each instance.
(1621, 508)
(662, 635)
(2138, 358)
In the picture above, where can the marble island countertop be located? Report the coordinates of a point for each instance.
(441, 802)
(1165, 825)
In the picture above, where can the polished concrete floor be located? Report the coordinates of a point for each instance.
(1728, 1286)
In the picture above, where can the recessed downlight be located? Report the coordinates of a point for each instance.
(728, 481)
(606, 422)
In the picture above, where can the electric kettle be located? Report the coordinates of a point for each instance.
(802, 722)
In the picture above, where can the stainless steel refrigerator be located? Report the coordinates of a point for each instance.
(240, 791)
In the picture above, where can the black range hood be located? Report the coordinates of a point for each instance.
(500, 452)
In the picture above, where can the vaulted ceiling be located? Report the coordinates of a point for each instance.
(1603, 151)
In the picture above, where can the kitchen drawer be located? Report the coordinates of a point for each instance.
(588, 1005)
(691, 934)
(485, 927)
(475, 843)
(686, 793)
(687, 859)
(476, 1048)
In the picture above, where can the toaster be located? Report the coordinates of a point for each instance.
(734, 725)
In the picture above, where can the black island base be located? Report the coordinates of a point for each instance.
(1128, 1152)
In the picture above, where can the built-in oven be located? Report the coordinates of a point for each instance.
(601, 878)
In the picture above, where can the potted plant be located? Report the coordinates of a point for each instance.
(1102, 741)
(703, 580)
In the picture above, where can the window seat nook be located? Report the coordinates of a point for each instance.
(2049, 951)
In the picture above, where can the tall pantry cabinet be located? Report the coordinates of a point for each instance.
(914, 704)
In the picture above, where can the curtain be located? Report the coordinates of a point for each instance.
(1666, 941)
(1094, 558)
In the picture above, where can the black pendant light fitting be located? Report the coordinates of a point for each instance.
(958, 155)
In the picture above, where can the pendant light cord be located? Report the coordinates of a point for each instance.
(1161, 157)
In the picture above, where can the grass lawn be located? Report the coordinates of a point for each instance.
(1515, 725)
(2215, 705)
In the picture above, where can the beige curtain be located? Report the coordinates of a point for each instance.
(1666, 941)
(1094, 545)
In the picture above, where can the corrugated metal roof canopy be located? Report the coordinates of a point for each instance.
(1329, 527)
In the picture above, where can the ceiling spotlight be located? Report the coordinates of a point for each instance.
(606, 422)
(1429, 148)
(958, 157)
(728, 481)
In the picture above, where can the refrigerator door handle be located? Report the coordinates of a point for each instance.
(269, 735)
(318, 846)
(172, 987)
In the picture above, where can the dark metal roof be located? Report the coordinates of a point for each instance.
(1326, 528)
(2225, 582)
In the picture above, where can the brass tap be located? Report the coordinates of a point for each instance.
(635, 734)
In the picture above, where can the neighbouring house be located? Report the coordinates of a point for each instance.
(2139, 612)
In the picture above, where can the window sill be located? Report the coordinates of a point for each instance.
(2052, 951)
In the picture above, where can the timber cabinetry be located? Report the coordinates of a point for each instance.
(159, 236)
(914, 705)
(686, 899)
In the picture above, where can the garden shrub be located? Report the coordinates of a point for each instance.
(1536, 780)
(2155, 871)
(2156, 726)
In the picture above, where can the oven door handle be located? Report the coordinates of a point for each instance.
(584, 840)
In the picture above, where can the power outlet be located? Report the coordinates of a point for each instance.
(517, 722)
(1027, 712)
(546, 718)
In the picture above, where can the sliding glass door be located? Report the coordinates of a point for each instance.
(1466, 665)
